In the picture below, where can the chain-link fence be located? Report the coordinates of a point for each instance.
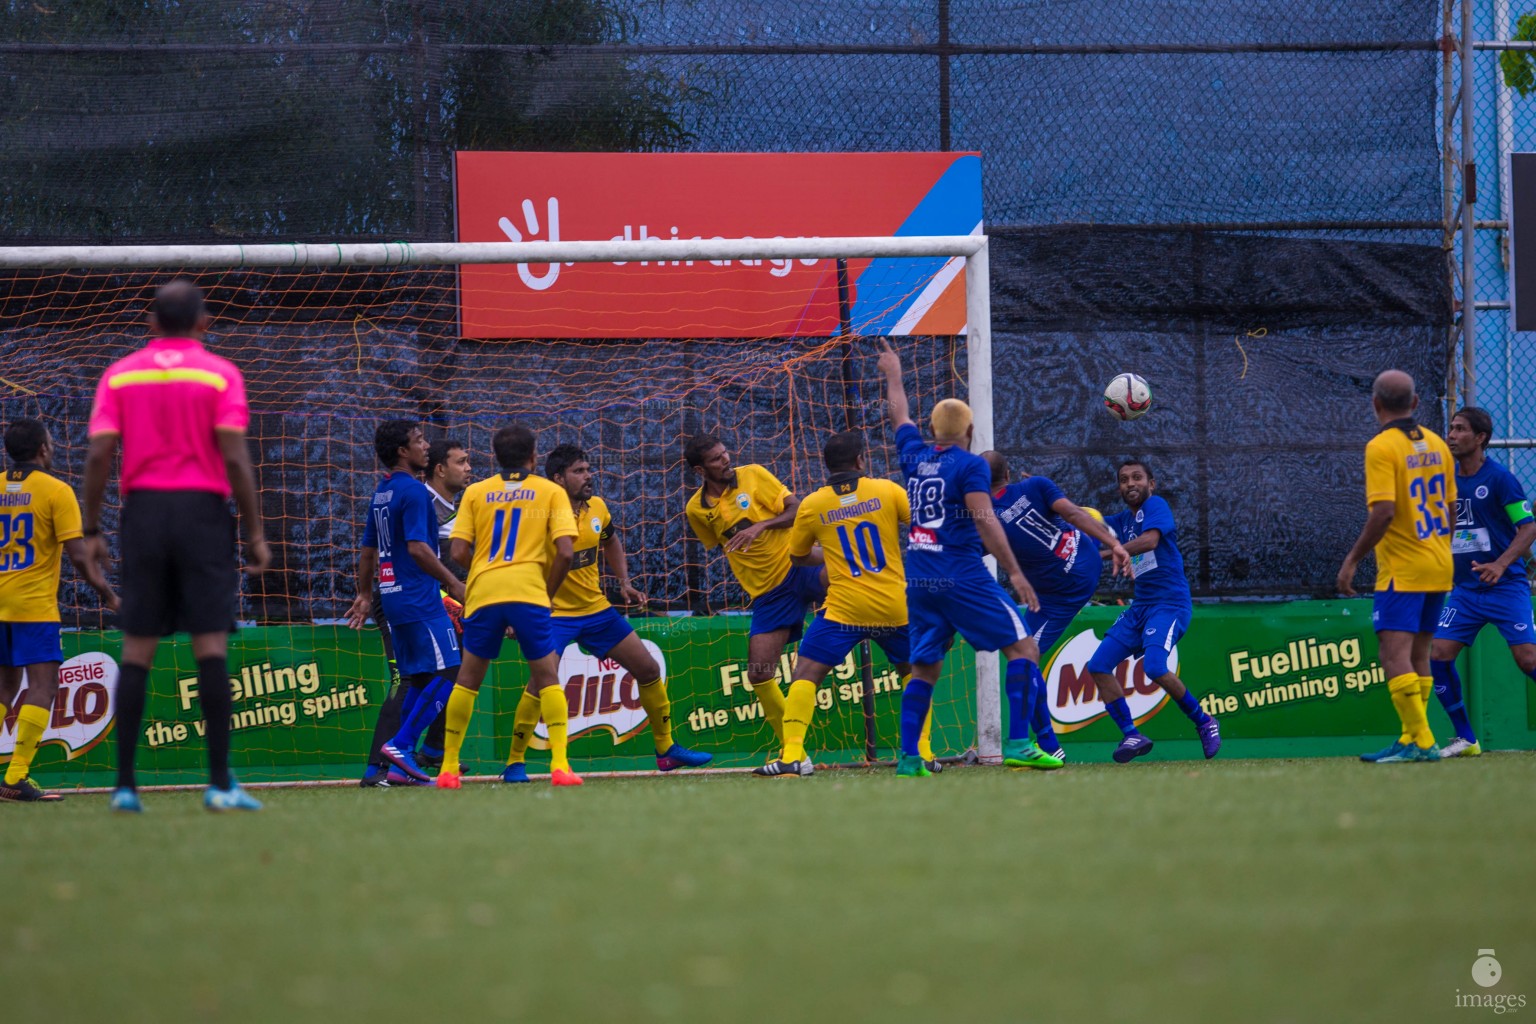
(1242, 201)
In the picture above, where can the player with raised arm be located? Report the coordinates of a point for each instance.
(1057, 545)
(582, 614)
(748, 512)
(399, 547)
(949, 587)
(857, 521)
(1158, 615)
(39, 522)
(1410, 489)
(516, 534)
(1492, 515)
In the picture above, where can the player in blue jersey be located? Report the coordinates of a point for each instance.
(1057, 546)
(1494, 531)
(1157, 617)
(949, 587)
(400, 545)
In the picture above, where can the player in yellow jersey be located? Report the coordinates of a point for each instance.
(582, 614)
(39, 519)
(515, 533)
(1410, 487)
(857, 520)
(747, 511)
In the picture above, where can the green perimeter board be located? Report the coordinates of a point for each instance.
(1285, 679)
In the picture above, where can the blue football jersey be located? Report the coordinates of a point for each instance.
(1159, 573)
(1490, 507)
(1057, 557)
(942, 542)
(401, 511)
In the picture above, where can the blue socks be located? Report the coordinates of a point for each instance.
(1448, 689)
(1040, 717)
(428, 704)
(1191, 708)
(1120, 711)
(1022, 693)
(916, 699)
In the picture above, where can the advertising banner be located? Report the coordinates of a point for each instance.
(546, 197)
(306, 697)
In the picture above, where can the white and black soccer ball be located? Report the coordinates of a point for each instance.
(1127, 396)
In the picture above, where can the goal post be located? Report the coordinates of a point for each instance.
(144, 263)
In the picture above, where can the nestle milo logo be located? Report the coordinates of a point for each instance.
(82, 708)
(1074, 699)
(600, 694)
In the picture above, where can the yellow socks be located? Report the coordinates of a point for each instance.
(556, 719)
(1426, 689)
(772, 699)
(798, 710)
(1410, 709)
(524, 719)
(658, 708)
(30, 723)
(461, 705)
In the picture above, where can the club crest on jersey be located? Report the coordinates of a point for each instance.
(1140, 515)
(1482, 492)
(743, 502)
(597, 525)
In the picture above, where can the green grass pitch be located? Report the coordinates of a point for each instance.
(1235, 890)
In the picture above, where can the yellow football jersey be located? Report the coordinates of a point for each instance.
(758, 495)
(1412, 467)
(582, 591)
(38, 513)
(512, 520)
(858, 521)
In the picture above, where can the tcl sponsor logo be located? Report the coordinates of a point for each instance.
(1074, 700)
(600, 694)
(82, 708)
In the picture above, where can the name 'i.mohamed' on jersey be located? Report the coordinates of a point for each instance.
(758, 495)
(858, 522)
(1411, 466)
(582, 591)
(1491, 506)
(512, 521)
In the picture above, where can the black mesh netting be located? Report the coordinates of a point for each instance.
(337, 119)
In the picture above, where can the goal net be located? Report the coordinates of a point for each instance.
(333, 339)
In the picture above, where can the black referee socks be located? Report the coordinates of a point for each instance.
(217, 702)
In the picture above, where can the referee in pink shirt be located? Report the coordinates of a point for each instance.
(180, 414)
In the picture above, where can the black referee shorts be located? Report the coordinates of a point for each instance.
(179, 563)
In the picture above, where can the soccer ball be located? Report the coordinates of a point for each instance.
(1127, 396)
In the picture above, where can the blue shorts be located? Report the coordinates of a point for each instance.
(829, 642)
(425, 646)
(599, 632)
(484, 630)
(1150, 630)
(1055, 615)
(29, 643)
(1508, 608)
(976, 607)
(786, 605)
(1406, 611)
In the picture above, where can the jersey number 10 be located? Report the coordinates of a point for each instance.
(871, 551)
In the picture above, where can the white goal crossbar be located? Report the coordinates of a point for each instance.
(322, 255)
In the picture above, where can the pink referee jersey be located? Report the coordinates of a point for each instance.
(166, 401)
